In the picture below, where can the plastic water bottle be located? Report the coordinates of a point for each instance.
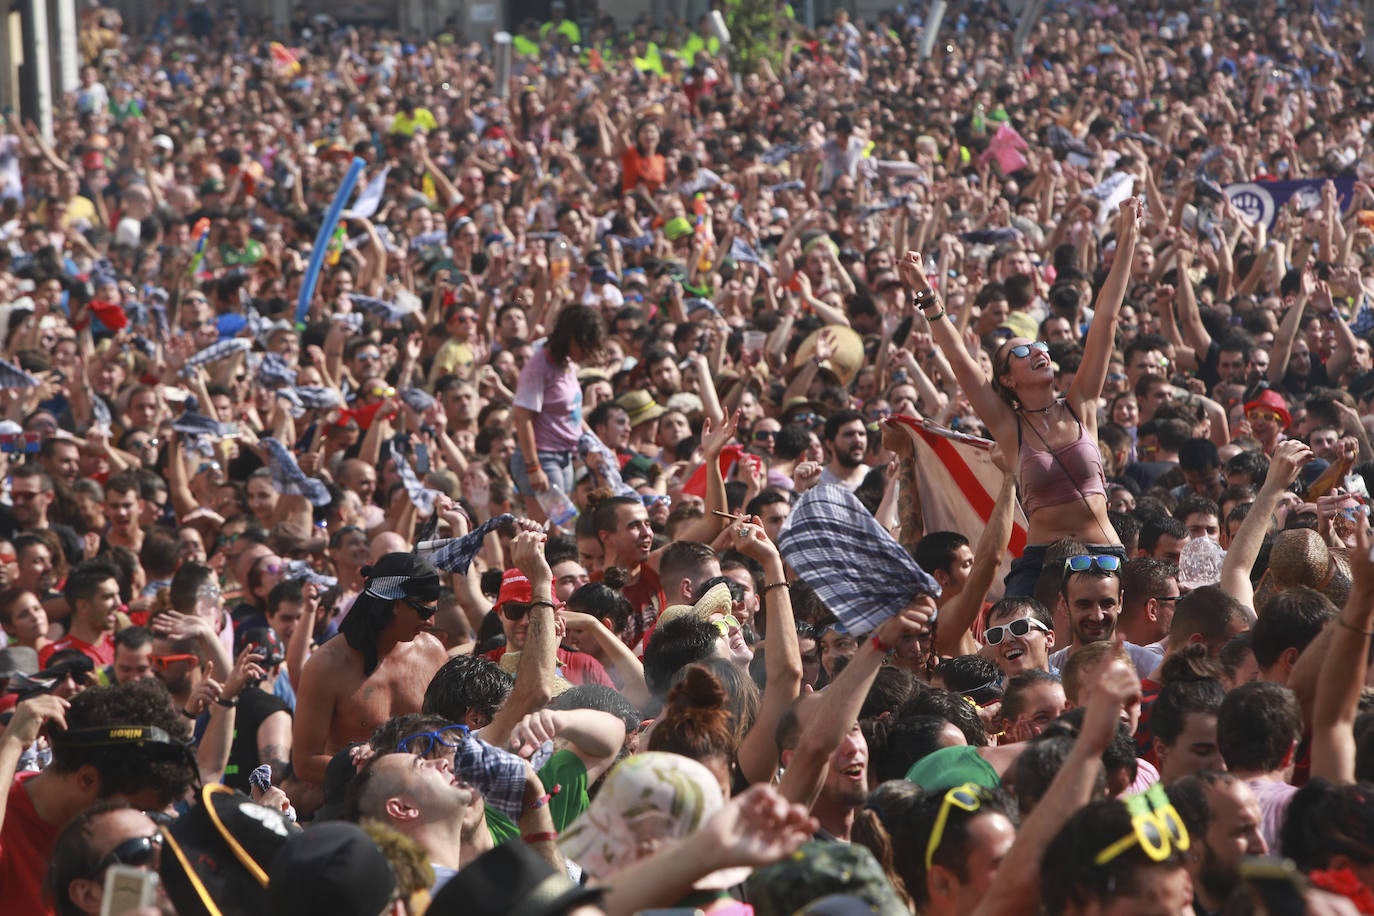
(560, 259)
(558, 508)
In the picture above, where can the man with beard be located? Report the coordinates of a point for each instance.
(1223, 820)
(32, 493)
(92, 593)
(379, 669)
(846, 438)
(1090, 598)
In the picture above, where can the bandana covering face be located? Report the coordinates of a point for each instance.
(395, 576)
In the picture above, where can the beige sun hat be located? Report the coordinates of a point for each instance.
(1300, 558)
(716, 601)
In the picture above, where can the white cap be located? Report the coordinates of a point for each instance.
(162, 141)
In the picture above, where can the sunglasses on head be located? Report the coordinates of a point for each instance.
(1021, 626)
(423, 744)
(655, 499)
(1155, 827)
(1105, 562)
(968, 797)
(138, 852)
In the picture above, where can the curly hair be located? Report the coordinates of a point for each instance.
(127, 769)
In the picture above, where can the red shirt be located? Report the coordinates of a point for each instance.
(578, 667)
(102, 653)
(645, 595)
(26, 843)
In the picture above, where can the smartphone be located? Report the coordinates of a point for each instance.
(127, 890)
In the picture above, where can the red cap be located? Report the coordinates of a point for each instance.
(1274, 401)
(515, 587)
(93, 160)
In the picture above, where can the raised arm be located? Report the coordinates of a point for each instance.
(1097, 346)
(959, 613)
(1071, 789)
(990, 407)
(534, 675)
(1194, 332)
(1338, 698)
(837, 711)
(758, 752)
(1288, 459)
(1288, 328)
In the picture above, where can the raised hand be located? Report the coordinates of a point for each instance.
(715, 438)
(527, 550)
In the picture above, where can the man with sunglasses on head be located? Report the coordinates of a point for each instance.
(378, 669)
(1090, 599)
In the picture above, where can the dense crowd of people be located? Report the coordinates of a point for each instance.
(426, 493)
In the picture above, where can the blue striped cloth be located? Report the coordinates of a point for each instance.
(288, 476)
(838, 548)
(499, 775)
(456, 555)
(419, 494)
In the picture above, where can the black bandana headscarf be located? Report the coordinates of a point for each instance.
(395, 577)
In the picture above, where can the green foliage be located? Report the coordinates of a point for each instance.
(757, 32)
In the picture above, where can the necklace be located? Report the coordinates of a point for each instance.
(1046, 409)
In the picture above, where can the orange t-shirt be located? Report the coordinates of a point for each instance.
(650, 170)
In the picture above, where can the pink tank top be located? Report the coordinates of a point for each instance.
(1063, 476)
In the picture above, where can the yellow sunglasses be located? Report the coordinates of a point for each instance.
(968, 797)
(1155, 827)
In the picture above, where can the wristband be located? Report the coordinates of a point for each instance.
(228, 704)
(1350, 626)
(547, 837)
(936, 317)
(772, 585)
(543, 800)
(190, 715)
(879, 644)
(540, 602)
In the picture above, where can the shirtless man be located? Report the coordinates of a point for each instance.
(378, 669)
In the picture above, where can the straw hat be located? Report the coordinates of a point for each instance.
(715, 601)
(1300, 558)
(641, 407)
(849, 352)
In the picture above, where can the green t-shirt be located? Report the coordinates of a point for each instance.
(247, 256)
(564, 769)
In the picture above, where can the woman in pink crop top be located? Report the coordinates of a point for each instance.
(1063, 489)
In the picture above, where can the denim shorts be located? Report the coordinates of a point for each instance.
(1025, 569)
(558, 467)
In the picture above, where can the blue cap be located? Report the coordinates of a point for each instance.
(230, 325)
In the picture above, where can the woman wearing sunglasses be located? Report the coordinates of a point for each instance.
(1063, 487)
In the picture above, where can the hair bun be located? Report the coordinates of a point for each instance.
(616, 577)
(698, 689)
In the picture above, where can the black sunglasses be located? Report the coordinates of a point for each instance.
(515, 610)
(425, 611)
(139, 852)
